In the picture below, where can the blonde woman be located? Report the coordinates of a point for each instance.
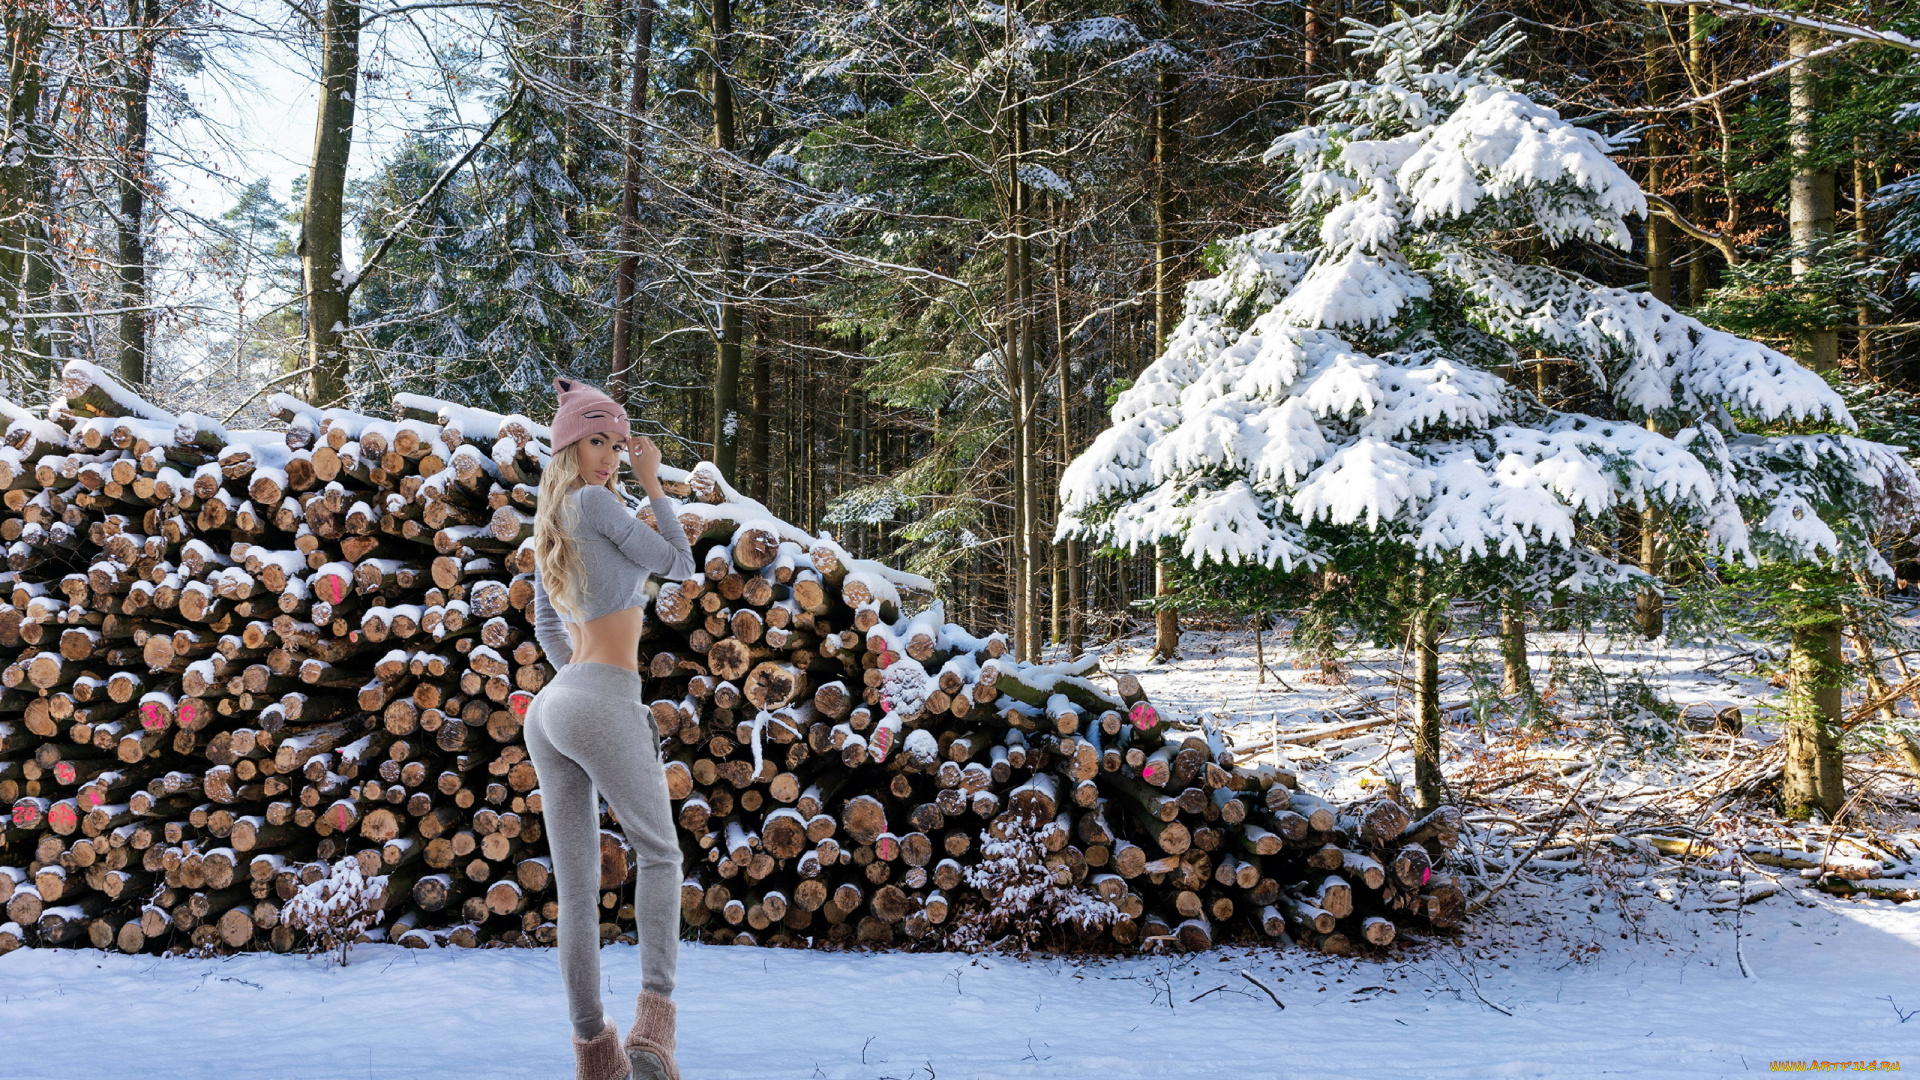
(588, 731)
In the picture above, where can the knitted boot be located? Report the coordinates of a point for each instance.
(650, 1041)
(599, 1058)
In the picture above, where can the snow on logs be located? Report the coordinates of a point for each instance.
(229, 658)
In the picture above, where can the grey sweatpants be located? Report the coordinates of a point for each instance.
(589, 734)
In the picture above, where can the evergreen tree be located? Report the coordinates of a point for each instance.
(1345, 390)
(417, 312)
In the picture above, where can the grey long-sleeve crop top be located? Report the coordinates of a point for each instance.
(618, 553)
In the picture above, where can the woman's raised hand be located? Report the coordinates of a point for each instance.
(646, 461)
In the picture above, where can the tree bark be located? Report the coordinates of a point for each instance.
(1862, 248)
(1013, 338)
(619, 380)
(321, 243)
(1063, 356)
(1515, 676)
(1809, 190)
(40, 339)
(1425, 636)
(1166, 621)
(1659, 252)
(762, 406)
(1166, 150)
(1649, 608)
(1813, 779)
(726, 371)
(131, 221)
(1649, 605)
(1700, 271)
(1816, 671)
(1028, 421)
(575, 152)
(27, 30)
(1309, 53)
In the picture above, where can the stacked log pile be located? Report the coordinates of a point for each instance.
(229, 658)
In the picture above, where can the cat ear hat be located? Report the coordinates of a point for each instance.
(586, 411)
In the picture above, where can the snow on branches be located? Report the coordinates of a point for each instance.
(1022, 899)
(334, 910)
(1362, 371)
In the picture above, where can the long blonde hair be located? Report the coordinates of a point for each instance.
(555, 520)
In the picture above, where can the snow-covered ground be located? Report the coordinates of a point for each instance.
(1633, 972)
(1588, 997)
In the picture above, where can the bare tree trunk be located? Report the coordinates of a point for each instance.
(321, 244)
(1877, 688)
(1166, 621)
(130, 224)
(38, 336)
(1649, 607)
(1815, 667)
(726, 370)
(1166, 150)
(762, 405)
(1700, 272)
(1424, 633)
(1816, 671)
(1515, 676)
(1013, 333)
(1063, 355)
(619, 381)
(1862, 248)
(27, 30)
(1028, 421)
(1310, 31)
(1809, 190)
(1659, 252)
(575, 152)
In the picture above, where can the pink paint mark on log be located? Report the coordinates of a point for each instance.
(187, 712)
(339, 588)
(1143, 716)
(1426, 875)
(887, 657)
(63, 771)
(519, 705)
(150, 717)
(339, 819)
(93, 799)
(63, 817)
(887, 848)
(1155, 773)
(881, 741)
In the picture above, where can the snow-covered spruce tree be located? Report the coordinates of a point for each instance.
(1021, 900)
(415, 313)
(334, 910)
(1352, 389)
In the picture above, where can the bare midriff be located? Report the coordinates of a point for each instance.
(613, 638)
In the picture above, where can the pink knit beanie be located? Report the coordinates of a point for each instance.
(584, 411)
